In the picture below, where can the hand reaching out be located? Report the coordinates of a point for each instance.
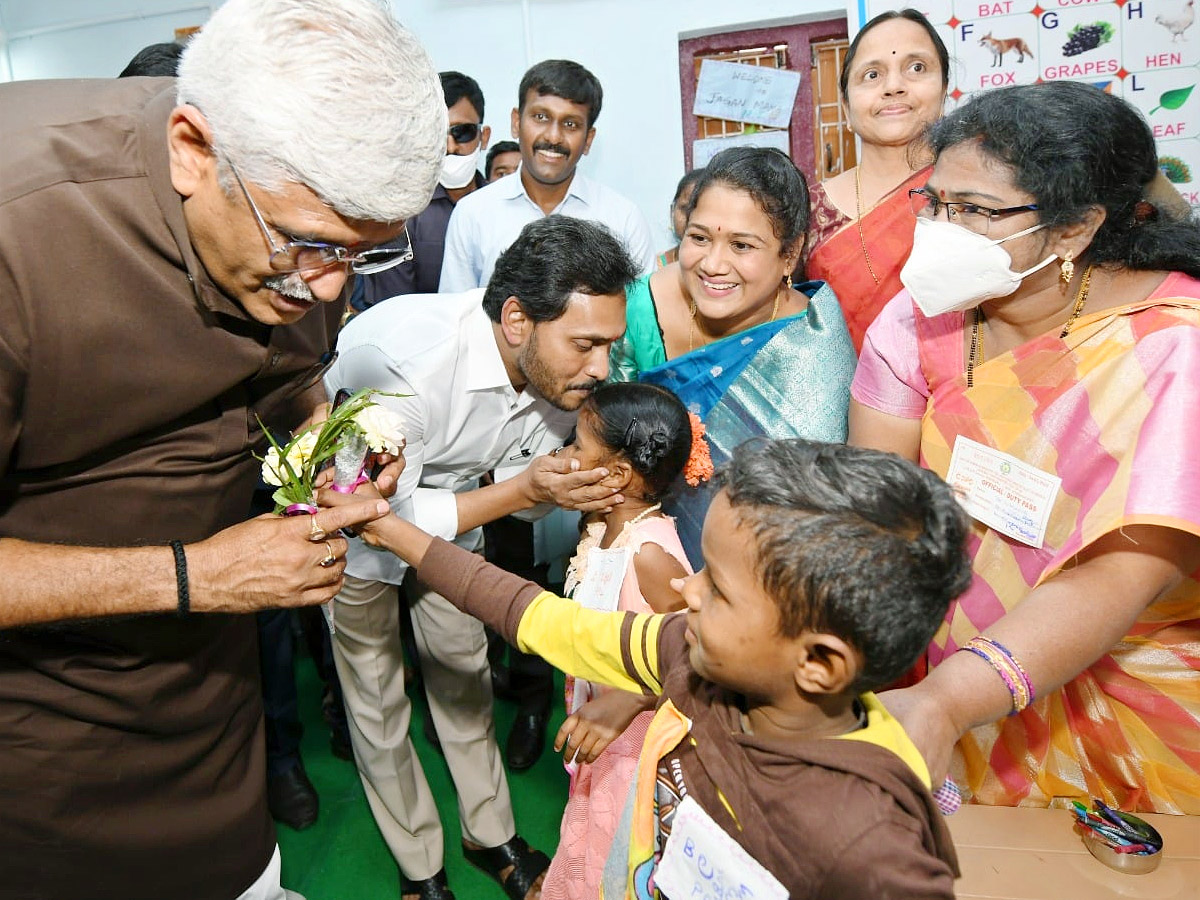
(275, 561)
(558, 480)
(927, 724)
(597, 723)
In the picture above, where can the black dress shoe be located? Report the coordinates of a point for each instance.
(292, 799)
(526, 741)
(433, 888)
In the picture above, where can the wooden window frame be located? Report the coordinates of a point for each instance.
(799, 38)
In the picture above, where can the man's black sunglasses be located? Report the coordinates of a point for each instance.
(463, 133)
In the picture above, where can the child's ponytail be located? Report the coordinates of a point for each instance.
(649, 426)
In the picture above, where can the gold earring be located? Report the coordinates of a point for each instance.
(1066, 269)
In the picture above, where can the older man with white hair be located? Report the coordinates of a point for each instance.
(173, 259)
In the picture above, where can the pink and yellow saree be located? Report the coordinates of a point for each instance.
(1113, 410)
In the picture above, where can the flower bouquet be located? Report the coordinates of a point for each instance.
(355, 426)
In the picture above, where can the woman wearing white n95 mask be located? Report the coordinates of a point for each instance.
(1043, 360)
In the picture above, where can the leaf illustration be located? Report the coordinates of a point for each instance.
(1173, 99)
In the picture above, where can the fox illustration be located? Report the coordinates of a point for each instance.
(1000, 46)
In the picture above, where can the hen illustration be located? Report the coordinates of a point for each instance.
(1180, 22)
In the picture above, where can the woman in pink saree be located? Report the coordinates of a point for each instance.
(1044, 360)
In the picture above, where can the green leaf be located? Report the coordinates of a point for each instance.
(1174, 99)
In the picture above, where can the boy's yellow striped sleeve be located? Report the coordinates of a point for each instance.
(619, 649)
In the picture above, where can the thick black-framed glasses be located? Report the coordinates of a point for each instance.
(312, 256)
(969, 215)
(464, 132)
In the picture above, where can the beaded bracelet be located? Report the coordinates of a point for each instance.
(181, 578)
(1015, 678)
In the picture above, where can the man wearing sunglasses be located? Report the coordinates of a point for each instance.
(558, 103)
(466, 139)
(174, 255)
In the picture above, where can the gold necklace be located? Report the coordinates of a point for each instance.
(1080, 299)
(858, 222)
(975, 354)
(692, 323)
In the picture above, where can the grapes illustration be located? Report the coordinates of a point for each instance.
(1082, 38)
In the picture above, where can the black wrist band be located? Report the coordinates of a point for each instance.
(181, 578)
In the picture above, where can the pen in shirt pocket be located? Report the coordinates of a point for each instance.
(524, 454)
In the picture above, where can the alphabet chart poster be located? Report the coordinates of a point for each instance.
(1146, 51)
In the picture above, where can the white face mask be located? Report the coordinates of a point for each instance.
(951, 268)
(459, 171)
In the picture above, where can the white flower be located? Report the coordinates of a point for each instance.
(299, 452)
(271, 467)
(381, 427)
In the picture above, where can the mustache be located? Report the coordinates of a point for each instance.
(553, 148)
(590, 385)
(290, 286)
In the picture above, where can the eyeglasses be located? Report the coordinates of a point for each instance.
(971, 216)
(464, 132)
(312, 256)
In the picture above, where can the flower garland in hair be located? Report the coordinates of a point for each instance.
(699, 465)
(357, 422)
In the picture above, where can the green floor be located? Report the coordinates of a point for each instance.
(343, 856)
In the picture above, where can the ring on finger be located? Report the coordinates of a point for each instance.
(315, 532)
(330, 558)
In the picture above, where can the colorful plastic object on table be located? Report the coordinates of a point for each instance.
(1120, 840)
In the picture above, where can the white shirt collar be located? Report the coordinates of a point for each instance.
(485, 366)
(581, 188)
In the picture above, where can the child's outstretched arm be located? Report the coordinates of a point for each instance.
(617, 649)
(389, 532)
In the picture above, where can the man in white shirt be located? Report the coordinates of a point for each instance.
(554, 123)
(558, 103)
(491, 380)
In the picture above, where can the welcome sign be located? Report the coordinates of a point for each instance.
(754, 94)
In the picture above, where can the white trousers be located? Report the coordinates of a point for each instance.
(458, 683)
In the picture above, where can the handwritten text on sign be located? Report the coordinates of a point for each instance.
(702, 862)
(746, 93)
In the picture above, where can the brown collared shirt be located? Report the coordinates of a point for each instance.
(131, 751)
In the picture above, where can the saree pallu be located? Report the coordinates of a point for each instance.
(1112, 410)
(887, 231)
(783, 379)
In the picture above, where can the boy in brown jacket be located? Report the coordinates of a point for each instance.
(770, 768)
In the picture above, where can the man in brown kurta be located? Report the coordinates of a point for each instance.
(137, 352)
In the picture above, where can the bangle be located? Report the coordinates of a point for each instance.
(1015, 678)
(181, 577)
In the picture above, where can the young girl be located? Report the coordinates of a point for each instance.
(625, 560)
